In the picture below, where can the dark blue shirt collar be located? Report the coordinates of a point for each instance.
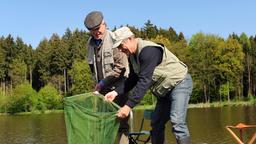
(97, 42)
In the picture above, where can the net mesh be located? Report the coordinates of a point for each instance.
(90, 120)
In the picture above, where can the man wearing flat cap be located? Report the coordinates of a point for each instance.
(108, 65)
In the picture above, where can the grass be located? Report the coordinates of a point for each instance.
(222, 104)
(141, 107)
(35, 112)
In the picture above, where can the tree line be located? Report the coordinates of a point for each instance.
(38, 78)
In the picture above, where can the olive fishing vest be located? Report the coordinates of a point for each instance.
(170, 72)
(106, 55)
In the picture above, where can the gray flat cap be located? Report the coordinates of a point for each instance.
(93, 19)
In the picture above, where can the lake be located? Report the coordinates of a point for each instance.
(207, 126)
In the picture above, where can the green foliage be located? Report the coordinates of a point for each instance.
(215, 61)
(162, 40)
(48, 98)
(18, 71)
(57, 81)
(148, 99)
(2, 59)
(3, 101)
(196, 96)
(244, 40)
(81, 76)
(57, 57)
(23, 99)
(136, 31)
(150, 30)
(248, 64)
(170, 34)
(42, 64)
(225, 90)
(230, 58)
(253, 100)
(202, 60)
(60, 61)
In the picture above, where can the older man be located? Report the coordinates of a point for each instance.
(155, 67)
(109, 65)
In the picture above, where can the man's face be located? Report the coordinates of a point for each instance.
(99, 31)
(127, 46)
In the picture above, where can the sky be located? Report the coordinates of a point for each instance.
(34, 20)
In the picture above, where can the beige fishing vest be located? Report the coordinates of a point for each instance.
(106, 55)
(170, 72)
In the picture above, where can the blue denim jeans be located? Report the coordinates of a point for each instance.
(172, 107)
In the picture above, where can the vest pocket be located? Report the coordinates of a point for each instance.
(160, 91)
(108, 62)
(160, 87)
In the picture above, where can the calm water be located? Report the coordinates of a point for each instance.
(207, 126)
(33, 129)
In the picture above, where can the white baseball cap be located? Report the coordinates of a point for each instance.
(120, 35)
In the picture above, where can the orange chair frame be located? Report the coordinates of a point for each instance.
(241, 128)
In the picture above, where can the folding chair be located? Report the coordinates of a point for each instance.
(136, 137)
(241, 127)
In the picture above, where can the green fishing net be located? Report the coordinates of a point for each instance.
(90, 120)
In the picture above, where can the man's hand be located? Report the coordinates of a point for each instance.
(111, 96)
(123, 112)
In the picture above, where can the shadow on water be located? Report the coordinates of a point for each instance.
(207, 126)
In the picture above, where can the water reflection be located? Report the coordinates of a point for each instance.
(32, 129)
(207, 126)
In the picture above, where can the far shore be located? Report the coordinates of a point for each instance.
(142, 107)
(207, 105)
